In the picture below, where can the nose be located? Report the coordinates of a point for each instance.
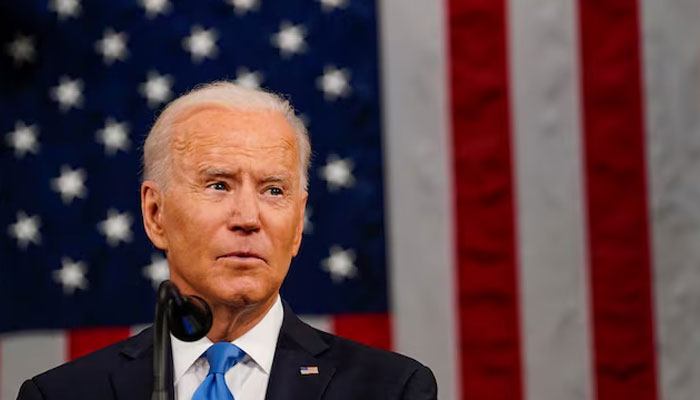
(245, 212)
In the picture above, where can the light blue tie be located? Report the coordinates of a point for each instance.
(221, 357)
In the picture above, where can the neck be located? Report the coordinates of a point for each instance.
(230, 323)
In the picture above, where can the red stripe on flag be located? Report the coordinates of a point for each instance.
(622, 314)
(371, 329)
(85, 340)
(489, 326)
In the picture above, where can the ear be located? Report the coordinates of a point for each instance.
(300, 224)
(152, 211)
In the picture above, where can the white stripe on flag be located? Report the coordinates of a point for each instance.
(320, 322)
(550, 199)
(136, 329)
(25, 354)
(418, 178)
(672, 81)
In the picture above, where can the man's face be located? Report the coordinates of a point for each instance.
(232, 215)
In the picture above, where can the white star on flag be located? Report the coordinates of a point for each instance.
(241, 7)
(116, 228)
(22, 49)
(334, 82)
(337, 172)
(65, 8)
(155, 7)
(112, 46)
(157, 271)
(71, 275)
(340, 265)
(23, 139)
(201, 43)
(330, 5)
(26, 229)
(157, 88)
(68, 93)
(248, 79)
(290, 39)
(70, 184)
(114, 136)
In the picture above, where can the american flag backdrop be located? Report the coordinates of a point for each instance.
(507, 190)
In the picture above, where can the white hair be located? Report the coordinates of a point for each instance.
(157, 157)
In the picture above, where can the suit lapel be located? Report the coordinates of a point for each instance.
(298, 346)
(133, 378)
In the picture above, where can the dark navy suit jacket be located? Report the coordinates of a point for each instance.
(347, 370)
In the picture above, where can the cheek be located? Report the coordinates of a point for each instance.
(189, 227)
(285, 230)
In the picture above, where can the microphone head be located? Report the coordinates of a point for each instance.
(190, 318)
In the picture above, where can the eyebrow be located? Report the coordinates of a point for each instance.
(217, 172)
(226, 173)
(276, 178)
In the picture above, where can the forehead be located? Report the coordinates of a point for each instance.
(215, 129)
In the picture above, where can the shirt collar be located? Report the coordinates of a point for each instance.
(258, 343)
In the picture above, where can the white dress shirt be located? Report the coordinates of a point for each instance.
(247, 380)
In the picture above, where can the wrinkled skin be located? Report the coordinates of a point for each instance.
(232, 216)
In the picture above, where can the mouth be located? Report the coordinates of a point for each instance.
(243, 256)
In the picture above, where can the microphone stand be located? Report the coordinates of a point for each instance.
(161, 338)
(189, 318)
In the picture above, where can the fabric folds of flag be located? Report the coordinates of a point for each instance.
(505, 190)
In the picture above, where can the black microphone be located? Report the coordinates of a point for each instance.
(188, 318)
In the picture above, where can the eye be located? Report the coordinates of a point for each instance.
(275, 191)
(218, 186)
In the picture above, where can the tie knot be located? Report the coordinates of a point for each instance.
(222, 356)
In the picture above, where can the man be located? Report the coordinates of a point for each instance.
(224, 195)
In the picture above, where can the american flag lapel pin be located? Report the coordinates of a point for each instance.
(308, 370)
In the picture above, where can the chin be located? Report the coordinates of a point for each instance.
(243, 293)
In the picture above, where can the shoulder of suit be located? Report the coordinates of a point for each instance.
(349, 352)
(366, 371)
(98, 363)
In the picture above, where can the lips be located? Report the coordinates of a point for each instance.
(244, 255)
